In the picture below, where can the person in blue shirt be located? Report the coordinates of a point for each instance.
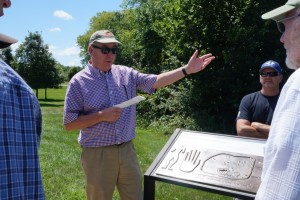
(256, 109)
(20, 133)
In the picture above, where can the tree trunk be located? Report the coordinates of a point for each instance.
(45, 93)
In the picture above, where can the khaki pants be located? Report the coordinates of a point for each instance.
(107, 167)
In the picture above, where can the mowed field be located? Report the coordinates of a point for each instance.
(60, 157)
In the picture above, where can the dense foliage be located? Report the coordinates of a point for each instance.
(160, 35)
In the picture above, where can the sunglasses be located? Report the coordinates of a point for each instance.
(270, 74)
(106, 50)
(280, 23)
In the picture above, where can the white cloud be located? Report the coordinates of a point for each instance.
(68, 56)
(62, 14)
(55, 29)
(74, 62)
(52, 48)
(70, 51)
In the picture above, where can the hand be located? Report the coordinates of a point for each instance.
(261, 128)
(190, 161)
(256, 125)
(196, 64)
(111, 114)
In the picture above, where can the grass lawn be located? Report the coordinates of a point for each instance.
(60, 157)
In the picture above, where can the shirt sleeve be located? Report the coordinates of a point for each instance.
(281, 174)
(73, 102)
(145, 82)
(38, 119)
(244, 109)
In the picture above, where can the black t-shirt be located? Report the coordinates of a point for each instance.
(256, 107)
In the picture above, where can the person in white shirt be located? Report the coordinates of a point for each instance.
(281, 168)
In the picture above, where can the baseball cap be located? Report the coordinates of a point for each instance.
(271, 64)
(6, 41)
(280, 12)
(103, 36)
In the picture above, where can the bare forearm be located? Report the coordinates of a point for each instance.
(195, 65)
(111, 114)
(249, 131)
(84, 121)
(168, 78)
(246, 128)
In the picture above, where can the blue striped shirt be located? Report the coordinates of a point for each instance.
(20, 133)
(91, 90)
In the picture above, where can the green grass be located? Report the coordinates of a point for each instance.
(63, 177)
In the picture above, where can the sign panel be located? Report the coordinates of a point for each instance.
(221, 161)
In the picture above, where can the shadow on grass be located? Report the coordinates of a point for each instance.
(51, 102)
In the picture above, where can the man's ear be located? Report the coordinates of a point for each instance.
(90, 50)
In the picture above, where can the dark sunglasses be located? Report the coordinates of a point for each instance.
(106, 50)
(270, 74)
(280, 23)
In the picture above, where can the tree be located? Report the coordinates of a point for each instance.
(103, 20)
(59, 78)
(160, 35)
(8, 57)
(122, 24)
(234, 32)
(73, 71)
(36, 64)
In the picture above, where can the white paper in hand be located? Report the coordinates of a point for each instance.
(130, 102)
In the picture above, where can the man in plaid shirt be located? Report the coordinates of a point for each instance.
(106, 131)
(20, 133)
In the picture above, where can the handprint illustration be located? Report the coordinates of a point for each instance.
(190, 161)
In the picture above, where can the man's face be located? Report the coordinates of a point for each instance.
(268, 80)
(4, 4)
(103, 55)
(291, 40)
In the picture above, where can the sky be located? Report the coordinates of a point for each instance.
(59, 22)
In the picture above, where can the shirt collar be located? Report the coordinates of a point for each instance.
(97, 71)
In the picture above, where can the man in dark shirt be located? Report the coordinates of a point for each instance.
(256, 109)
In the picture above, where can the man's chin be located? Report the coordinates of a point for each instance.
(291, 65)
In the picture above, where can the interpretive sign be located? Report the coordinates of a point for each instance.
(218, 163)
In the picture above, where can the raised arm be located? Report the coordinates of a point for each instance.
(194, 65)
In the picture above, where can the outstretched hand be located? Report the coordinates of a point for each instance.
(197, 64)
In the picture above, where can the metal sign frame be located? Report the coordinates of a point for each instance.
(218, 163)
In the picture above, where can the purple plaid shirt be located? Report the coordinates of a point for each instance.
(91, 90)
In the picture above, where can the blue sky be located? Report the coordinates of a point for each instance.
(60, 22)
